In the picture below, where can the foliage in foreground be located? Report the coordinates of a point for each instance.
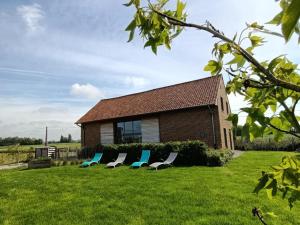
(270, 85)
(285, 178)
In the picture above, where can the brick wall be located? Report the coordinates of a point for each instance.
(223, 114)
(90, 134)
(180, 125)
(192, 124)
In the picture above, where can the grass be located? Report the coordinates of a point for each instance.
(183, 195)
(31, 147)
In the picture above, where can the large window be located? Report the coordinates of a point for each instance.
(230, 139)
(225, 138)
(222, 104)
(128, 132)
(227, 108)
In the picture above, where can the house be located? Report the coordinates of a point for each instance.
(195, 110)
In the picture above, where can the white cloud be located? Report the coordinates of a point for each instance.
(46, 110)
(32, 16)
(86, 91)
(135, 81)
(34, 116)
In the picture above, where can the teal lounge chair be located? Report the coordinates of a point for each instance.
(144, 159)
(95, 160)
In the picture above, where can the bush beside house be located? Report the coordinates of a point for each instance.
(191, 153)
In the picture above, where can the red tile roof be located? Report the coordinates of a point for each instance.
(179, 96)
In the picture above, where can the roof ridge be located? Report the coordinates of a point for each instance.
(154, 89)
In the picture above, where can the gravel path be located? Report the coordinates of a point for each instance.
(237, 153)
(13, 166)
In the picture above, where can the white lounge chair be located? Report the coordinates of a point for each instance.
(120, 160)
(167, 162)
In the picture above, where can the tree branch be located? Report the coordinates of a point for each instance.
(292, 115)
(253, 83)
(294, 106)
(284, 131)
(210, 29)
(256, 212)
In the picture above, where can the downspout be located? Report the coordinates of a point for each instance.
(213, 125)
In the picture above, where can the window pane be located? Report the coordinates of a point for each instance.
(222, 105)
(120, 132)
(128, 132)
(225, 137)
(128, 127)
(137, 127)
(227, 108)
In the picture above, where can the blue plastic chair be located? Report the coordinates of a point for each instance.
(95, 160)
(144, 159)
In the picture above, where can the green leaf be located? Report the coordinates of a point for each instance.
(180, 8)
(131, 35)
(256, 26)
(148, 43)
(276, 20)
(167, 42)
(213, 66)
(233, 39)
(262, 182)
(271, 214)
(154, 48)
(234, 118)
(238, 59)
(275, 62)
(224, 48)
(129, 3)
(137, 3)
(290, 18)
(256, 40)
(273, 107)
(271, 189)
(131, 26)
(275, 121)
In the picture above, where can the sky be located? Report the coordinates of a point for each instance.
(58, 58)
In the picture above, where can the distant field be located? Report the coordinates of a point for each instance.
(31, 147)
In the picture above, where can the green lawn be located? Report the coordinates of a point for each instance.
(31, 147)
(186, 195)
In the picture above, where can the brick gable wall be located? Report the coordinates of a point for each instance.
(193, 124)
(222, 116)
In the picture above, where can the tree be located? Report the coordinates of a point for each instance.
(272, 85)
(69, 138)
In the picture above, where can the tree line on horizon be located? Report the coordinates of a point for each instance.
(20, 140)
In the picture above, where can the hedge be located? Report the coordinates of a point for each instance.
(190, 153)
(268, 143)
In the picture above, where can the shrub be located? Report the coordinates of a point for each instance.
(190, 153)
(288, 143)
(218, 157)
(41, 159)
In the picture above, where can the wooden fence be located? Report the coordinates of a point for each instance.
(12, 156)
